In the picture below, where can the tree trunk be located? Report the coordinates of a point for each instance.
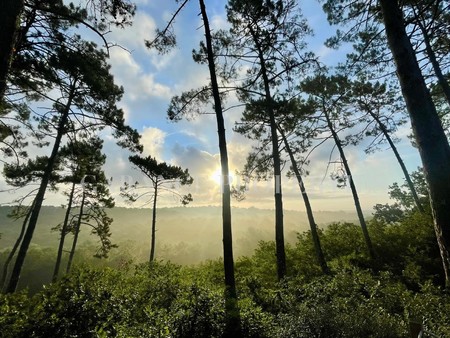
(77, 232)
(12, 285)
(348, 172)
(233, 321)
(279, 223)
(429, 134)
(153, 239)
(14, 248)
(434, 62)
(63, 235)
(400, 161)
(312, 224)
(10, 21)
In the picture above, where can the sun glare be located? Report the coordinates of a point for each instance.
(216, 176)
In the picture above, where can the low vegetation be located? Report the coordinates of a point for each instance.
(360, 298)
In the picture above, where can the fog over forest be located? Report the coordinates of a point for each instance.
(185, 235)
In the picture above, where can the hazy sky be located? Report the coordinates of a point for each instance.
(151, 80)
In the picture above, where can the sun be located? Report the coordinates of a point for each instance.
(216, 177)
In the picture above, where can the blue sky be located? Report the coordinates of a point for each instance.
(150, 80)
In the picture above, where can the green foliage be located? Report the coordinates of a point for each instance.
(349, 304)
(360, 298)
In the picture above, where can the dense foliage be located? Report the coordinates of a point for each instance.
(359, 298)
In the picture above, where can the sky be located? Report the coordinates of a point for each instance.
(151, 80)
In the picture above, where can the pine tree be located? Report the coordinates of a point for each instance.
(163, 178)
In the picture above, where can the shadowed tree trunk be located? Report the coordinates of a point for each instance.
(153, 239)
(77, 232)
(14, 248)
(15, 275)
(279, 223)
(429, 134)
(348, 172)
(434, 62)
(9, 25)
(400, 162)
(233, 322)
(312, 224)
(63, 234)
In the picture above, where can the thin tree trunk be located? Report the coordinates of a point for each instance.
(426, 124)
(312, 224)
(434, 62)
(400, 162)
(15, 275)
(63, 235)
(77, 232)
(14, 248)
(233, 321)
(9, 21)
(153, 239)
(279, 222)
(359, 212)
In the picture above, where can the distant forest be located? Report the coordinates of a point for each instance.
(185, 235)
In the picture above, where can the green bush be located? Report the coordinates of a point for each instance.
(360, 298)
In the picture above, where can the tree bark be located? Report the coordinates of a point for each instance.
(14, 248)
(429, 134)
(279, 222)
(400, 162)
(15, 275)
(312, 223)
(9, 20)
(63, 235)
(153, 239)
(233, 321)
(434, 62)
(359, 212)
(77, 232)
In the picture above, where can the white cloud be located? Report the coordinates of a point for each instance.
(137, 83)
(132, 38)
(153, 142)
(219, 22)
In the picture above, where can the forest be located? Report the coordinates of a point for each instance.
(88, 250)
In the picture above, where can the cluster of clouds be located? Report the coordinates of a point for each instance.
(150, 81)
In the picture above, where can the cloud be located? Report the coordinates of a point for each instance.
(202, 165)
(153, 142)
(137, 83)
(198, 161)
(219, 22)
(132, 38)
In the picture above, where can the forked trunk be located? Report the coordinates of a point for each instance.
(14, 248)
(77, 232)
(63, 235)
